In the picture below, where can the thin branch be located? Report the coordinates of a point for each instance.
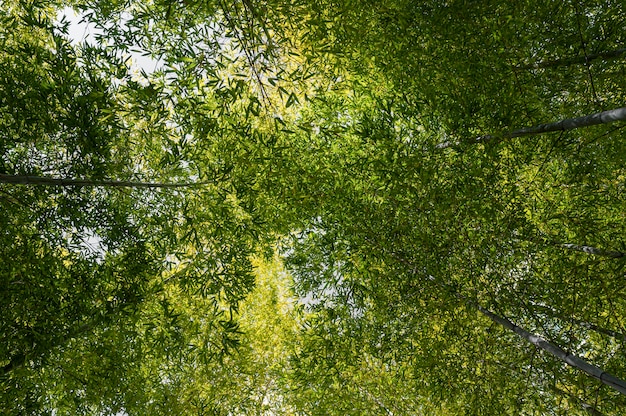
(244, 45)
(584, 47)
(592, 410)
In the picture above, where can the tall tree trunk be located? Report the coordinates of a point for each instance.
(574, 247)
(21, 358)
(604, 117)
(595, 251)
(555, 351)
(45, 181)
(576, 60)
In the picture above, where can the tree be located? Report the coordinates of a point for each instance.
(383, 202)
(89, 269)
(313, 126)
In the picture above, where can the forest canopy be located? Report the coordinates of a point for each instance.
(295, 207)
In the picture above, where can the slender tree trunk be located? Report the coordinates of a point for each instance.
(604, 117)
(45, 181)
(575, 247)
(555, 351)
(595, 251)
(20, 359)
(576, 60)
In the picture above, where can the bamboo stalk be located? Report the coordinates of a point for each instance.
(575, 60)
(546, 310)
(595, 251)
(15, 362)
(46, 181)
(603, 117)
(557, 352)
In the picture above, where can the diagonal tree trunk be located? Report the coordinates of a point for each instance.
(14, 362)
(20, 359)
(604, 117)
(46, 181)
(595, 251)
(570, 359)
(557, 352)
(576, 60)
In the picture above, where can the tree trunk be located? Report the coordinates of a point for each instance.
(44, 181)
(572, 360)
(595, 251)
(604, 117)
(557, 352)
(575, 247)
(576, 60)
(20, 359)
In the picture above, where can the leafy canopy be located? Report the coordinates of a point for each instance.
(337, 229)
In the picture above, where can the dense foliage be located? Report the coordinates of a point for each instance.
(300, 207)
